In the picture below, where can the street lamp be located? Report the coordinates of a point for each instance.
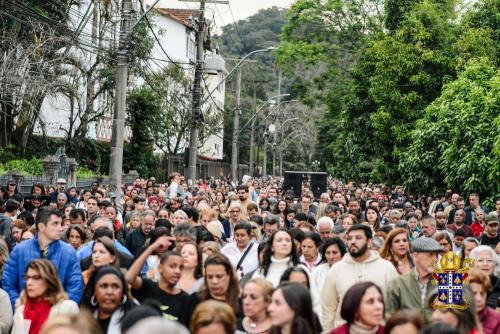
(280, 136)
(269, 101)
(237, 111)
(271, 48)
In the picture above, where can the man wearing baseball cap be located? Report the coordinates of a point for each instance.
(490, 236)
(412, 290)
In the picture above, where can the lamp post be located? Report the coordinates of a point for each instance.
(237, 112)
(270, 130)
(280, 152)
(252, 132)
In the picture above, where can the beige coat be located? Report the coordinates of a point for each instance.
(343, 275)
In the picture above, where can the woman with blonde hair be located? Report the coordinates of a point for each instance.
(255, 299)
(206, 216)
(396, 249)
(210, 248)
(213, 316)
(134, 221)
(43, 297)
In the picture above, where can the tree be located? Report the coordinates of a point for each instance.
(456, 144)
(319, 46)
(32, 32)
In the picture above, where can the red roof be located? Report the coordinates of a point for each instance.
(179, 15)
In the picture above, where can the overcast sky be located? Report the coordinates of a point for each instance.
(222, 13)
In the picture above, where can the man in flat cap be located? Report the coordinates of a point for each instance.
(412, 290)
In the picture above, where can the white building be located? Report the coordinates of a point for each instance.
(63, 112)
(174, 29)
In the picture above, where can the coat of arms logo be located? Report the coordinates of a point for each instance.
(450, 278)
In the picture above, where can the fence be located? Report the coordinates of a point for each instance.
(26, 182)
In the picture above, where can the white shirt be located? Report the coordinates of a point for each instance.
(233, 253)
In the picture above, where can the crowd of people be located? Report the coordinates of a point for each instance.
(215, 257)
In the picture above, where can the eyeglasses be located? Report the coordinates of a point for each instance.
(12, 184)
(33, 277)
(493, 224)
(444, 243)
(235, 211)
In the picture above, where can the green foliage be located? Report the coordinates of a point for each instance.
(33, 166)
(84, 172)
(457, 141)
(142, 106)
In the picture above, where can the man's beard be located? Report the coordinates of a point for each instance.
(359, 252)
(242, 198)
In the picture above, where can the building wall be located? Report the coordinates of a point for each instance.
(56, 112)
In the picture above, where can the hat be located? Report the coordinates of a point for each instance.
(61, 180)
(12, 181)
(425, 245)
(214, 228)
(491, 218)
(111, 194)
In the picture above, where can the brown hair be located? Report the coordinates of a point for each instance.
(46, 269)
(111, 248)
(20, 224)
(479, 277)
(233, 290)
(403, 317)
(443, 235)
(213, 311)
(386, 250)
(352, 300)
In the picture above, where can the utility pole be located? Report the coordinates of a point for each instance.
(277, 113)
(252, 131)
(236, 129)
(121, 77)
(196, 109)
(196, 113)
(264, 163)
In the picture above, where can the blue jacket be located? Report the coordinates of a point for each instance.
(227, 228)
(62, 255)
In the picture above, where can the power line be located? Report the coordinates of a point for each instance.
(236, 25)
(158, 40)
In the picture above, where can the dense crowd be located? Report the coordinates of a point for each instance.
(215, 257)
